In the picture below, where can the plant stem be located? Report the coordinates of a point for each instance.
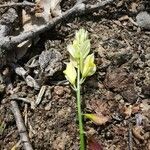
(82, 144)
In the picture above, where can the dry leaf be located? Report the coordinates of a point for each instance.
(145, 105)
(134, 7)
(137, 132)
(94, 145)
(51, 8)
(55, 8)
(43, 13)
(97, 119)
(135, 108)
(131, 109)
(127, 111)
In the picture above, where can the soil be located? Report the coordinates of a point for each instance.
(120, 88)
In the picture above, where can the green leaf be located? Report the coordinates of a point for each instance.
(97, 119)
(89, 67)
(70, 73)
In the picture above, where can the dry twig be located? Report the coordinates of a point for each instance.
(21, 4)
(21, 127)
(79, 9)
(130, 137)
(15, 97)
(40, 95)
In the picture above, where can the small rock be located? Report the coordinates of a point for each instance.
(48, 107)
(143, 20)
(50, 62)
(59, 90)
(130, 94)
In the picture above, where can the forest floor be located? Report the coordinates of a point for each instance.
(120, 88)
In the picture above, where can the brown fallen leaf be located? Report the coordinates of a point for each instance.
(127, 111)
(137, 132)
(135, 108)
(133, 7)
(98, 119)
(131, 109)
(145, 105)
(44, 11)
(94, 145)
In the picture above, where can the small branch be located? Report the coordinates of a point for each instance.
(23, 4)
(24, 74)
(78, 9)
(95, 7)
(40, 95)
(15, 97)
(21, 127)
(129, 136)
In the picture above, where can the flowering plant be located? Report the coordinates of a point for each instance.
(81, 65)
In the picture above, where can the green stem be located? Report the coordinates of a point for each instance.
(82, 144)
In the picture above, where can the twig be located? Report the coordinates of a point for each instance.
(78, 9)
(24, 74)
(25, 112)
(92, 8)
(40, 95)
(129, 137)
(21, 4)
(15, 97)
(63, 82)
(21, 127)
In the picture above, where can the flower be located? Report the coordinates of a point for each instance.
(80, 47)
(81, 35)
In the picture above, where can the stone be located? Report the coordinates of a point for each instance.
(143, 20)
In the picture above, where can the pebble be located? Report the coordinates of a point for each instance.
(59, 90)
(48, 107)
(143, 20)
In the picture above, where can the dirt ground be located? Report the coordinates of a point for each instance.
(120, 88)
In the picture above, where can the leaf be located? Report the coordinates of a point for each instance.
(94, 145)
(73, 61)
(97, 119)
(89, 67)
(80, 47)
(55, 8)
(127, 111)
(73, 51)
(85, 49)
(70, 73)
(82, 43)
(81, 36)
(138, 132)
